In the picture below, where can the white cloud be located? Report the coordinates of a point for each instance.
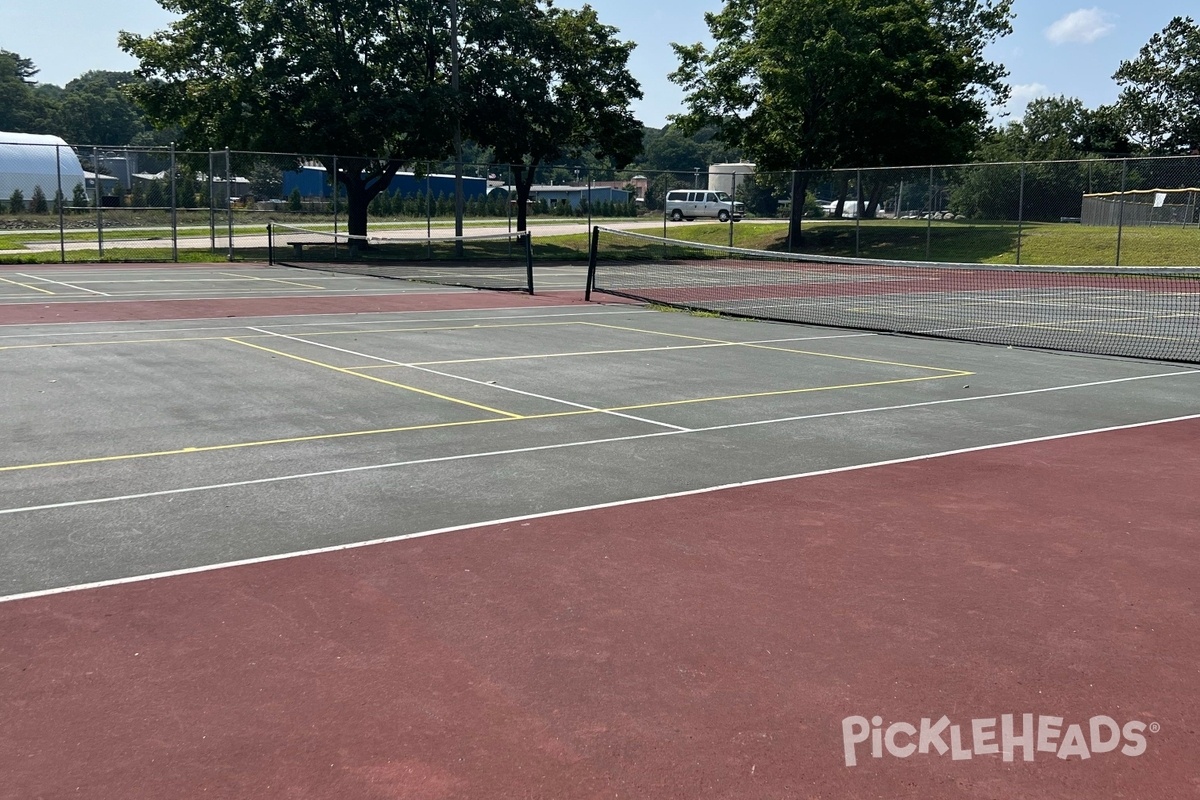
(1082, 27)
(1022, 95)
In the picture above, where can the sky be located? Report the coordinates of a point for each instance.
(1058, 47)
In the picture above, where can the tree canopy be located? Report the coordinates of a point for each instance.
(368, 77)
(376, 78)
(813, 84)
(22, 108)
(545, 83)
(1160, 95)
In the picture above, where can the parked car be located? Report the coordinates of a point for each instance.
(687, 204)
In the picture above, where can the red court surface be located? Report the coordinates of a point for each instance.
(703, 646)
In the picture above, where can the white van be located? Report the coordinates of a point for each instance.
(687, 204)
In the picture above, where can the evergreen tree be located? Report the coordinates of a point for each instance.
(79, 197)
(37, 201)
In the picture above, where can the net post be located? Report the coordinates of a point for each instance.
(270, 244)
(593, 250)
(529, 261)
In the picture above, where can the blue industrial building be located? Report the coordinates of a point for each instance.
(313, 182)
(555, 196)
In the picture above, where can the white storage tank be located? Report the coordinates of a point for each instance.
(723, 177)
(27, 160)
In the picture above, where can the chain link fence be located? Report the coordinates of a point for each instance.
(88, 203)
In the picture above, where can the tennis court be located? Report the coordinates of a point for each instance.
(296, 532)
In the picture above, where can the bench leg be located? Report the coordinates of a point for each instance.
(298, 249)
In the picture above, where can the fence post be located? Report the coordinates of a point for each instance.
(62, 236)
(798, 216)
(1121, 208)
(589, 200)
(174, 210)
(929, 219)
(229, 198)
(732, 205)
(336, 203)
(429, 212)
(212, 205)
(99, 211)
(664, 207)
(1020, 213)
(858, 209)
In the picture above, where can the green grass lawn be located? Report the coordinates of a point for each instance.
(962, 241)
(967, 241)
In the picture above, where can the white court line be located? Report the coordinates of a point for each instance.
(610, 440)
(347, 322)
(60, 283)
(417, 291)
(568, 403)
(578, 510)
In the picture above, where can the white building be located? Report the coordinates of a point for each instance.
(726, 177)
(29, 160)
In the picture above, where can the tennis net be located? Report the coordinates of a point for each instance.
(492, 261)
(1148, 313)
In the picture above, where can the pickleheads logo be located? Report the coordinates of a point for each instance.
(1030, 734)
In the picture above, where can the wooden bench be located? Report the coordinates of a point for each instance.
(298, 248)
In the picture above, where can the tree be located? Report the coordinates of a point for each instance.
(94, 109)
(672, 149)
(37, 201)
(544, 83)
(1055, 140)
(266, 180)
(811, 84)
(79, 197)
(16, 202)
(22, 108)
(1161, 89)
(367, 78)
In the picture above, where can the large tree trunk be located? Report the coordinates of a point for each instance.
(361, 188)
(872, 209)
(796, 212)
(843, 193)
(523, 180)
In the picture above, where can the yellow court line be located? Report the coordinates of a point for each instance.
(436, 425)
(782, 349)
(406, 387)
(240, 445)
(782, 392)
(272, 280)
(27, 286)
